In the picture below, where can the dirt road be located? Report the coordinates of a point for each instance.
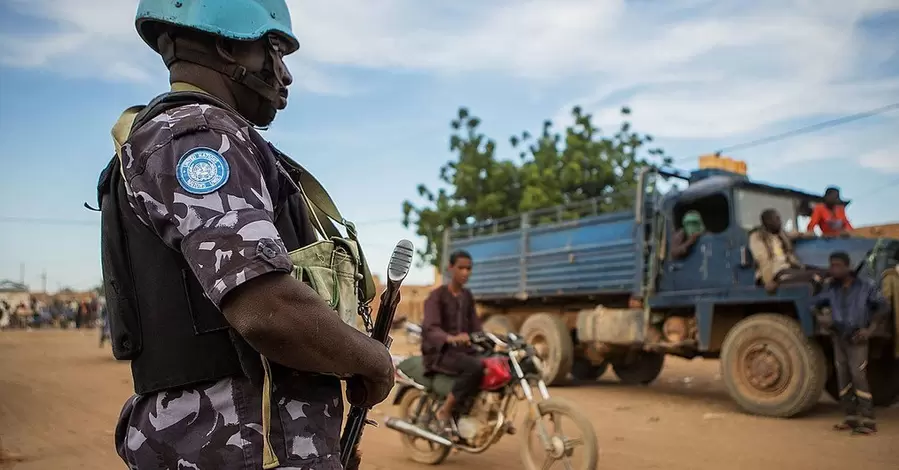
(60, 396)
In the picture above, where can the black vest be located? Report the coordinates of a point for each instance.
(159, 316)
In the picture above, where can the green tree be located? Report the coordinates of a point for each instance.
(578, 164)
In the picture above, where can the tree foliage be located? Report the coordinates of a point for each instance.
(552, 168)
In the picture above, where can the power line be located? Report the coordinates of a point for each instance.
(47, 221)
(805, 130)
(812, 128)
(94, 223)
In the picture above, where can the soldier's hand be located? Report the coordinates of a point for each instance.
(367, 391)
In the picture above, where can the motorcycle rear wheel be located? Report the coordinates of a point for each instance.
(418, 449)
(588, 446)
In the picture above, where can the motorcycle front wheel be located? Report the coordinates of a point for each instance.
(578, 452)
(419, 450)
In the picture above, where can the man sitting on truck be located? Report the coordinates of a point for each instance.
(772, 249)
(857, 309)
(449, 318)
(830, 216)
(685, 237)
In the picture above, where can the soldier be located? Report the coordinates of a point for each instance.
(208, 233)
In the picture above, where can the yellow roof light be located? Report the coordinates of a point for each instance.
(714, 161)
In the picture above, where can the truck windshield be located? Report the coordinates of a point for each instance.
(750, 203)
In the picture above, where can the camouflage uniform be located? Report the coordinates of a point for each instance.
(227, 237)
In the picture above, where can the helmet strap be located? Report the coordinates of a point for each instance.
(236, 72)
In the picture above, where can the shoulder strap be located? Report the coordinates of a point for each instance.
(322, 210)
(324, 214)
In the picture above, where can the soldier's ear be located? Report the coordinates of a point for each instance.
(225, 49)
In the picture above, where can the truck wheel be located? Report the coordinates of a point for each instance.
(552, 340)
(584, 370)
(770, 368)
(641, 370)
(498, 324)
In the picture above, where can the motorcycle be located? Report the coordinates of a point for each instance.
(511, 367)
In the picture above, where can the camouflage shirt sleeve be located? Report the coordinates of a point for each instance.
(220, 216)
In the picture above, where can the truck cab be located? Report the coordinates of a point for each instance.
(602, 290)
(733, 317)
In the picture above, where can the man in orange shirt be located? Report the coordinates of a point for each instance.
(830, 216)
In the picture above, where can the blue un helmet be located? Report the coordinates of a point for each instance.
(238, 20)
(241, 20)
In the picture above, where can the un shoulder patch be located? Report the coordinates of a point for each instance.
(202, 171)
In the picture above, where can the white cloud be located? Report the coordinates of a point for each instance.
(690, 69)
(886, 160)
(872, 145)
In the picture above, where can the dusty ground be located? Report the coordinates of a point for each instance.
(60, 395)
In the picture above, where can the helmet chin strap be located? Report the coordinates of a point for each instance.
(236, 72)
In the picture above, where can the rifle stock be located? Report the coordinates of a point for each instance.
(397, 270)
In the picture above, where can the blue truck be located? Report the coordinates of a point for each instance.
(593, 290)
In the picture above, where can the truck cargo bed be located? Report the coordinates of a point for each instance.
(593, 255)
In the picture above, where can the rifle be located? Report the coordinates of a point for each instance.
(397, 269)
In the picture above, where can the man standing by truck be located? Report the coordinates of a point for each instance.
(449, 318)
(857, 309)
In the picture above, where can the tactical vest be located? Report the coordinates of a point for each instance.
(159, 316)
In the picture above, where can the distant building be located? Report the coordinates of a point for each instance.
(16, 294)
(878, 231)
(412, 299)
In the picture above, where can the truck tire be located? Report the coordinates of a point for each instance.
(552, 340)
(584, 371)
(640, 370)
(498, 324)
(770, 368)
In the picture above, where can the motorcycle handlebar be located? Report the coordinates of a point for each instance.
(482, 338)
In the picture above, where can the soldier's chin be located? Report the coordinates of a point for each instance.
(264, 116)
(281, 103)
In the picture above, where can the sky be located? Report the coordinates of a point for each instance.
(378, 81)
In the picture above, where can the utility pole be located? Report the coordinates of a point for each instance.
(44, 281)
(22, 273)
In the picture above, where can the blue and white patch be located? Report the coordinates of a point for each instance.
(202, 171)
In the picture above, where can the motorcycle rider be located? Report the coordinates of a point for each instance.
(449, 319)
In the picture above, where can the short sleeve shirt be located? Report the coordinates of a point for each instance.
(219, 214)
(194, 176)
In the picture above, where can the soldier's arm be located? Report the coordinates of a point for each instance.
(287, 322)
(228, 238)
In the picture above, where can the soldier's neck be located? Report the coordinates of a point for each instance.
(185, 75)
